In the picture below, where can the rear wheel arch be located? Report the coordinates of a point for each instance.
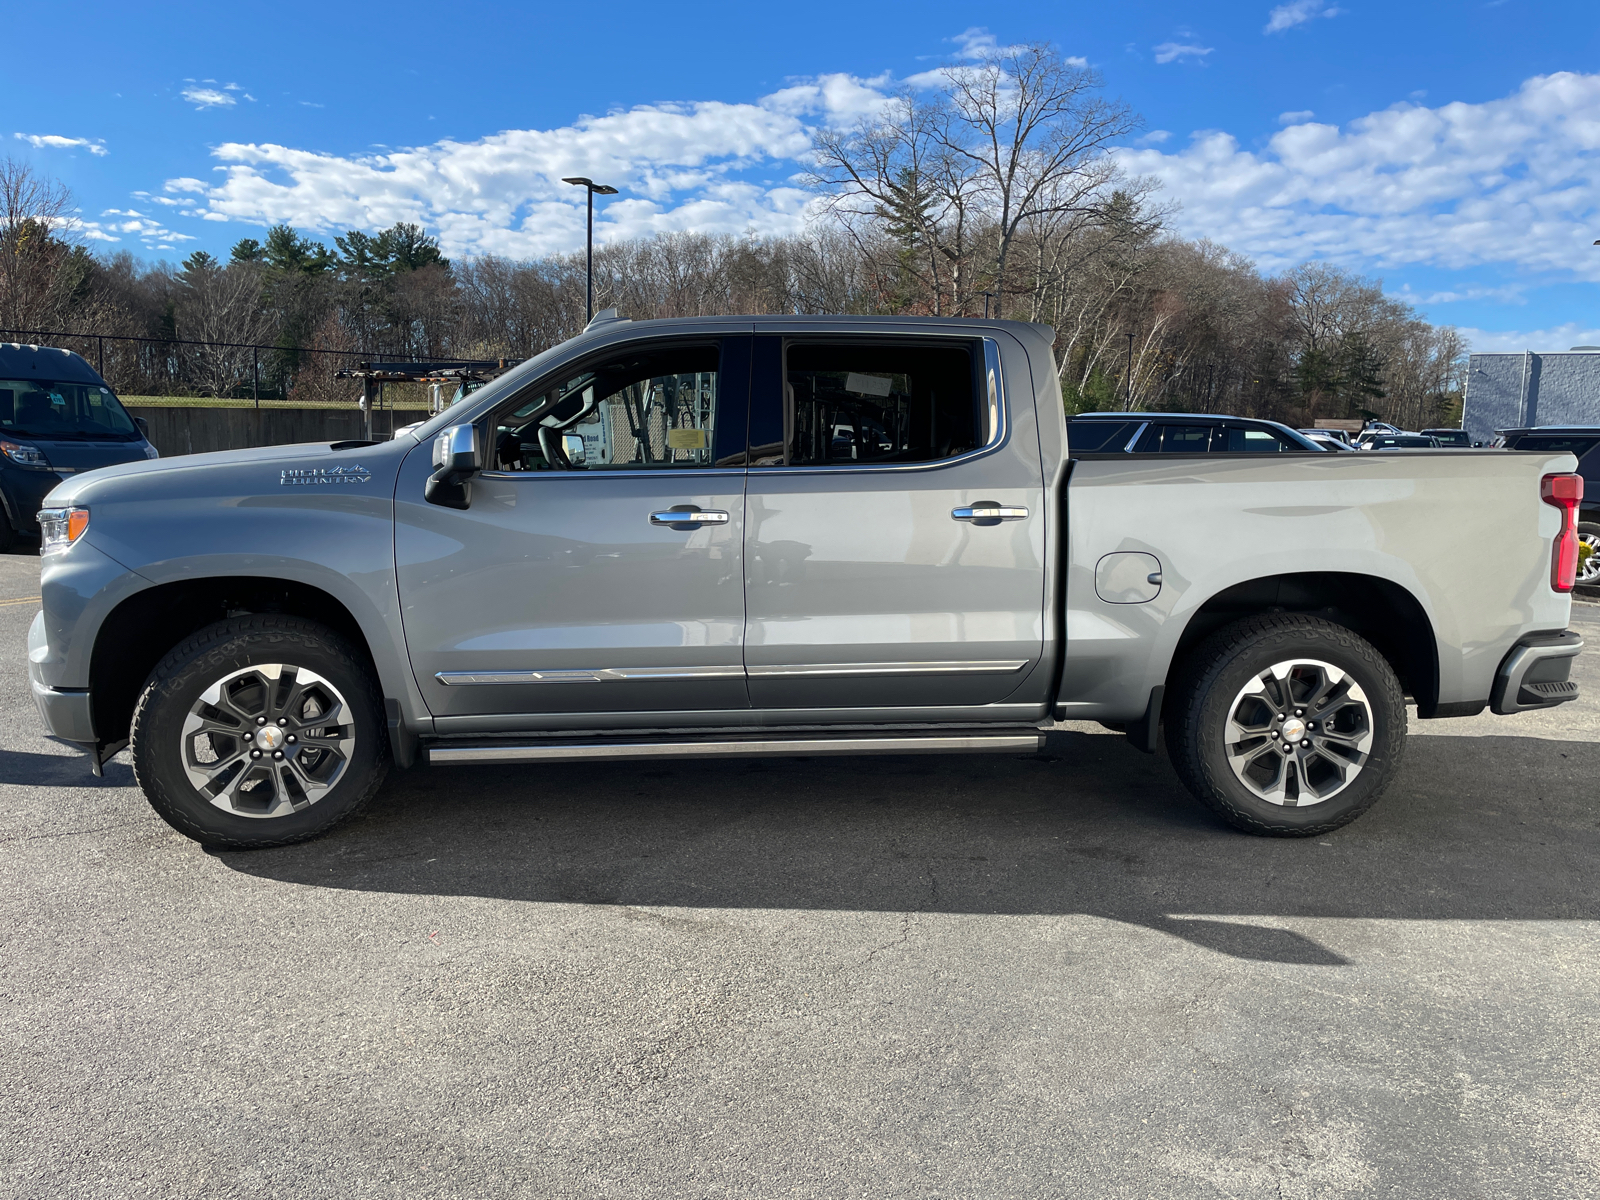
(1379, 610)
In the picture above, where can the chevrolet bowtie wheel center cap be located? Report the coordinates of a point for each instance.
(269, 737)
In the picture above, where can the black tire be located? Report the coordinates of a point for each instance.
(1211, 689)
(162, 751)
(1589, 531)
(8, 533)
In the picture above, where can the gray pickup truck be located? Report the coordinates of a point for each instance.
(789, 536)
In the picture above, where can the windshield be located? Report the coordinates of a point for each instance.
(63, 411)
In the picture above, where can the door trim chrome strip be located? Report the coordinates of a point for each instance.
(782, 671)
(820, 670)
(964, 743)
(595, 675)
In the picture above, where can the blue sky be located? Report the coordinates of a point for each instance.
(1452, 149)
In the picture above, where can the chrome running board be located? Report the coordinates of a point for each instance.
(601, 749)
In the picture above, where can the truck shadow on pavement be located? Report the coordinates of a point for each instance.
(1474, 828)
(60, 770)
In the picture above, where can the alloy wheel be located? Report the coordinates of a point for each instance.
(1299, 732)
(268, 740)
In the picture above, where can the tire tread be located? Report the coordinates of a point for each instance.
(213, 642)
(1198, 772)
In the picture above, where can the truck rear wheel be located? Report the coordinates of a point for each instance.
(1286, 725)
(259, 731)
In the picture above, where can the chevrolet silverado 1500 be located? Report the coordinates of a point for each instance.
(791, 536)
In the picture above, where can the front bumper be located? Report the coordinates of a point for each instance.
(1535, 673)
(66, 711)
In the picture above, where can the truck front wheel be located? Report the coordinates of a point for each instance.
(1286, 725)
(259, 731)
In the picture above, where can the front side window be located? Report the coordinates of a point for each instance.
(63, 411)
(1095, 437)
(649, 409)
(865, 404)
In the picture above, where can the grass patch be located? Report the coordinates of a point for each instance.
(217, 402)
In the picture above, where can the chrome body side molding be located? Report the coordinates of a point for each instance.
(986, 667)
(596, 675)
(818, 670)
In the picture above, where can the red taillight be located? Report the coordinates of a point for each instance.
(1564, 492)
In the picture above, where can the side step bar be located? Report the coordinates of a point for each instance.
(967, 742)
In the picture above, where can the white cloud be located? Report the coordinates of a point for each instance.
(678, 166)
(54, 141)
(1545, 341)
(1298, 12)
(1511, 181)
(204, 97)
(130, 222)
(1295, 118)
(1176, 52)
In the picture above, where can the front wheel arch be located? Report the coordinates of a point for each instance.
(138, 633)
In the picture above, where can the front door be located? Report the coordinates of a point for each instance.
(895, 534)
(598, 569)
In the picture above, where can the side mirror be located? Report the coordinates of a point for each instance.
(144, 427)
(572, 443)
(456, 459)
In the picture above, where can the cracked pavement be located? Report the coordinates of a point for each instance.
(919, 977)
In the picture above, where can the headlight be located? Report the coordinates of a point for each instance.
(150, 451)
(60, 527)
(27, 456)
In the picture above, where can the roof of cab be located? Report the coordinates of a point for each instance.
(18, 360)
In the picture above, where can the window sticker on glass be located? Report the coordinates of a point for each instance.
(687, 439)
(868, 385)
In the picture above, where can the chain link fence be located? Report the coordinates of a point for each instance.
(150, 372)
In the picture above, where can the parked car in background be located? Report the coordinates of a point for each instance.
(1183, 433)
(1329, 440)
(57, 419)
(1584, 441)
(1400, 441)
(1374, 429)
(1458, 439)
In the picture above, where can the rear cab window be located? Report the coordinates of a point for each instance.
(862, 403)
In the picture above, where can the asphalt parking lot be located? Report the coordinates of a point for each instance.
(935, 977)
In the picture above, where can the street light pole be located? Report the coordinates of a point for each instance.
(1128, 404)
(593, 190)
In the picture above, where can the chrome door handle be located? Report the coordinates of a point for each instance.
(688, 517)
(988, 513)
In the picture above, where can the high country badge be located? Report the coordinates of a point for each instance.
(324, 476)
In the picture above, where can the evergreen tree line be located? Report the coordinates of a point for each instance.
(997, 193)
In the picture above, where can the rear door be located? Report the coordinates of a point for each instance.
(895, 536)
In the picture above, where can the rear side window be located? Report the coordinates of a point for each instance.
(861, 404)
(1092, 437)
(1235, 440)
(1186, 439)
(1175, 439)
